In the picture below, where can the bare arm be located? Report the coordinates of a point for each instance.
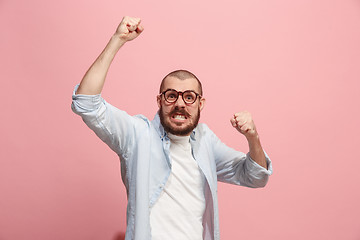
(94, 79)
(244, 123)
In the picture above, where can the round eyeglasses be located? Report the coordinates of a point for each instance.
(189, 96)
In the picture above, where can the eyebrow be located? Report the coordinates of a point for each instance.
(180, 91)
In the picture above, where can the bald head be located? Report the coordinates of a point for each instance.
(182, 75)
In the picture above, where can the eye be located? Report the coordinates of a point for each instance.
(189, 97)
(171, 96)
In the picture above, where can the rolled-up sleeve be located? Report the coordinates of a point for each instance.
(257, 176)
(238, 168)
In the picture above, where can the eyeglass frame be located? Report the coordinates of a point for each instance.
(182, 95)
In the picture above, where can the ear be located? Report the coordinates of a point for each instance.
(158, 99)
(202, 103)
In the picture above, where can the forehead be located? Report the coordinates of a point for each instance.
(180, 85)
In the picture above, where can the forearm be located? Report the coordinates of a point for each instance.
(244, 123)
(94, 79)
(256, 151)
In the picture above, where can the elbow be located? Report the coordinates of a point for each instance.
(262, 184)
(259, 182)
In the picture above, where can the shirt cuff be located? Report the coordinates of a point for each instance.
(254, 166)
(85, 103)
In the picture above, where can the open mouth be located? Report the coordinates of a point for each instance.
(179, 114)
(179, 117)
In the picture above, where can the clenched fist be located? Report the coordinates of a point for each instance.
(244, 123)
(129, 28)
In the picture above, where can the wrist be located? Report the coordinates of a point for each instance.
(116, 38)
(253, 137)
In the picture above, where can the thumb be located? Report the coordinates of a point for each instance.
(233, 122)
(139, 29)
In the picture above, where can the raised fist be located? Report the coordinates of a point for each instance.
(244, 123)
(129, 28)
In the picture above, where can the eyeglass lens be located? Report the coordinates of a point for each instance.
(172, 95)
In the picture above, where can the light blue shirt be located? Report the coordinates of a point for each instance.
(144, 151)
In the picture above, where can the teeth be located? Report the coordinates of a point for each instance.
(181, 117)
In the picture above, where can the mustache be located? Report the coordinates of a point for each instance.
(180, 111)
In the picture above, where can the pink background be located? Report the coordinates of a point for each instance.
(294, 64)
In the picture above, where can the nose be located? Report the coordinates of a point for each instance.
(180, 101)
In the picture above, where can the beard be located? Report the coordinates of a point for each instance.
(181, 131)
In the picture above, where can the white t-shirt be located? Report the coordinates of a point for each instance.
(178, 213)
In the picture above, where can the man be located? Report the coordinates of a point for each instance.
(170, 166)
